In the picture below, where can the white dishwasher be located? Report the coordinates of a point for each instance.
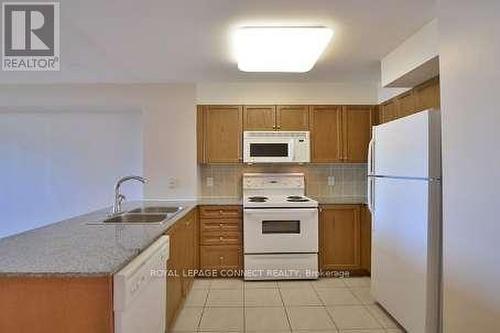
(140, 295)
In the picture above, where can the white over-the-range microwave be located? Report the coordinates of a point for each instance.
(276, 147)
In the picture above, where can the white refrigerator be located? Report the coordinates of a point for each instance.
(404, 197)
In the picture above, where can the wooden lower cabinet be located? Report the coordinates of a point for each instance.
(221, 234)
(340, 244)
(182, 261)
(56, 304)
(228, 257)
(366, 238)
(343, 239)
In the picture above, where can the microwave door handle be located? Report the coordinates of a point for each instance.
(291, 150)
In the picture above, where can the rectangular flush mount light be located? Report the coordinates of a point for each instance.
(280, 49)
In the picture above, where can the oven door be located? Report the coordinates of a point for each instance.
(280, 230)
(268, 150)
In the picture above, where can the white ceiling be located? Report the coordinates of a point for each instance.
(188, 40)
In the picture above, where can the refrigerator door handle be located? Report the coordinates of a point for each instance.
(370, 157)
(370, 194)
(370, 178)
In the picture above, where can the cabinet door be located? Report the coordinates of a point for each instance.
(356, 130)
(221, 257)
(387, 111)
(201, 134)
(325, 127)
(405, 104)
(223, 134)
(366, 238)
(292, 118)
(427, 95)
(259, 117)
(174, 278)
(340, 237)
(188, 223)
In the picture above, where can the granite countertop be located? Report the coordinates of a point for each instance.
(75, 248)
(340, 200)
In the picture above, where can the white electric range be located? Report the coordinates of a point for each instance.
(280, 227)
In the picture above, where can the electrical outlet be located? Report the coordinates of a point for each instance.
(210, 181)
(172, 182)
(331, 181)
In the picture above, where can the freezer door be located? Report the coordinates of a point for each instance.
(405, 278)
(402, 146)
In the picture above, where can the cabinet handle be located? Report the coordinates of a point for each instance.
(221, 225)
(221, 238)
(278, 127)
(221, 259)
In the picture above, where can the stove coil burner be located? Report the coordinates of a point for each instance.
(257, 199)
(296, 198)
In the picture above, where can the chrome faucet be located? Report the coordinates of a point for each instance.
(119, 198)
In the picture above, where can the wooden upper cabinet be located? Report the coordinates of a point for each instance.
(387, 111)
(405, 104)
(356, 133)
(292, 118)
(340, 237)
(325, 125)
(427, 95)
(259, 117)
(221, 134)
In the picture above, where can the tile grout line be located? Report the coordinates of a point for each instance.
(325, 308)
(284, 308)
(198, 328)
(365, 306)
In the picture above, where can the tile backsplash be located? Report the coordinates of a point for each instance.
(322, 180)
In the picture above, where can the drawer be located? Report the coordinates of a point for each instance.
(221, 238)
(221, 257)
(221, 225)
(220, 212)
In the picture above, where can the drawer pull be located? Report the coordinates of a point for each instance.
(221, 238)
(220, 225)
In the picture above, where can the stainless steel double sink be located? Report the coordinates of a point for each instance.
(145, 215)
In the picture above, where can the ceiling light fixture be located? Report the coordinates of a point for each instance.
(280, 49)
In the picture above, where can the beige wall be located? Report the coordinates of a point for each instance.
(411, 55)
(169, 124)
(470, 81)
(286, 93)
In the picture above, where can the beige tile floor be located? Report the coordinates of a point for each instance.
(326, 305)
